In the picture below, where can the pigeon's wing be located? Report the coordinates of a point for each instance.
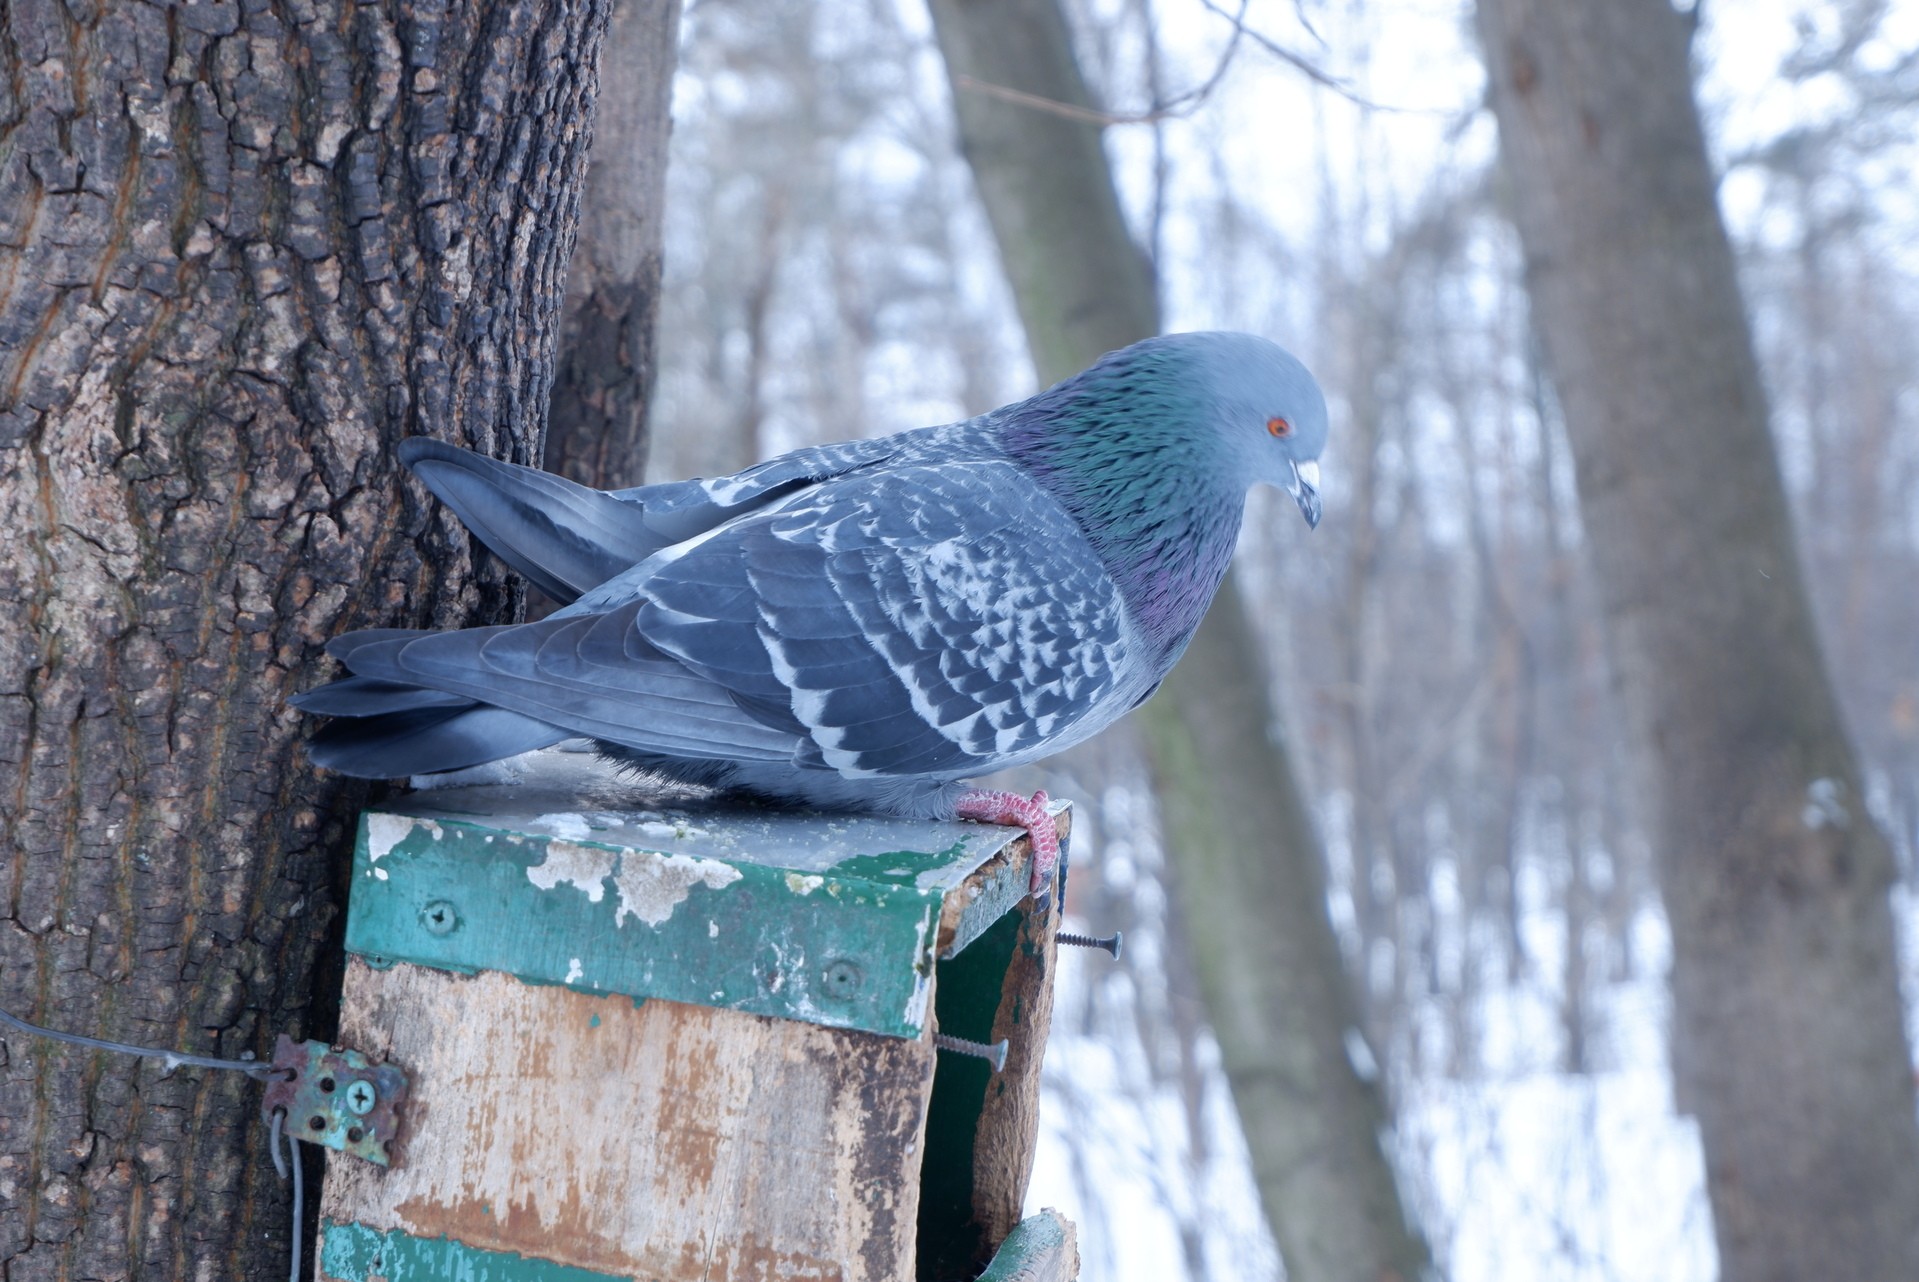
(921, 620)
(917, 621)
(567, 538)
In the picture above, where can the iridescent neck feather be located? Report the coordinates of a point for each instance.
(1127, 449)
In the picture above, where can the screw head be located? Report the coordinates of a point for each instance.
(440, 918)
(360, 1097)
(841, 978)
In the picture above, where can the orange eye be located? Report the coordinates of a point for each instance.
(1279, 427)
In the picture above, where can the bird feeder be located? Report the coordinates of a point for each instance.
(655, 1037)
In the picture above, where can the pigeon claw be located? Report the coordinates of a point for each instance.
(1014, 811)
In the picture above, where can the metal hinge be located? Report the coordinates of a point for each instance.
(336, 1097)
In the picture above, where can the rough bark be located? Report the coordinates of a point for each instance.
(1787, 1036)
(597, 428)
(1247, 868)
(243, 249)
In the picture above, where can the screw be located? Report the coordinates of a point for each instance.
(1111, 943)
(360, 1097)
(993, 1053)
(841, 978)
(440, 918)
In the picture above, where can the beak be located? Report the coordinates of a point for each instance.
(1305, 490)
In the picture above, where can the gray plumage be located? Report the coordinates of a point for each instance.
(860, 625)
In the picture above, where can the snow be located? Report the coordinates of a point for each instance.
(1523, 1171)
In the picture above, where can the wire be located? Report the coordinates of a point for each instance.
(273, 1143)
(253, 1068)
(173, 1059)
(281, 1164)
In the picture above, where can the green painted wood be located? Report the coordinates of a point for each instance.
(1037, 1250)
(356, 1253)
(578, 876)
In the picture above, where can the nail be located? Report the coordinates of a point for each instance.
(993, 1053)
(1111, 943)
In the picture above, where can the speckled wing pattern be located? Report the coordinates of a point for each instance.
(922, 620)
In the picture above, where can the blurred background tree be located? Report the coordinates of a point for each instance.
(1789, 1040)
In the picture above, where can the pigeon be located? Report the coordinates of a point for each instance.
(861, 626)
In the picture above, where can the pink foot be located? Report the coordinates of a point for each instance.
(1015, 811)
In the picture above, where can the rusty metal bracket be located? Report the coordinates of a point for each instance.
(336, 1097)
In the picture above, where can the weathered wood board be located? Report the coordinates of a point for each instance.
(663, 1141)
(1008, 1131)
(661, 1038)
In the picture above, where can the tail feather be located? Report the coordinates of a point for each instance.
(422, 741)
(565, 538)
(372, 696)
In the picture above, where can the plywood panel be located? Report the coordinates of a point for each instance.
(665, 1141)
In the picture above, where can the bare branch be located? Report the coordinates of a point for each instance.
(1305, 65)
(1179, 105)
(1186, 103)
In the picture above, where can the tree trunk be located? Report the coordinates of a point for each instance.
(596, 431)
(1247, 869)
(248, 248)
(1787, 1033)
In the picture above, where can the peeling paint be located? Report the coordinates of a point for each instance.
(916, 1004)
(384, 832)
(652, 885)
(586, 867)
(573, 971)
(922, 994)
(804, 883)
(929, 877)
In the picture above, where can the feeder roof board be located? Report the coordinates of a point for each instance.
(584, 876)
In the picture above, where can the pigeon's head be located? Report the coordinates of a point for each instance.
(1264, 406)
(1132, 432)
